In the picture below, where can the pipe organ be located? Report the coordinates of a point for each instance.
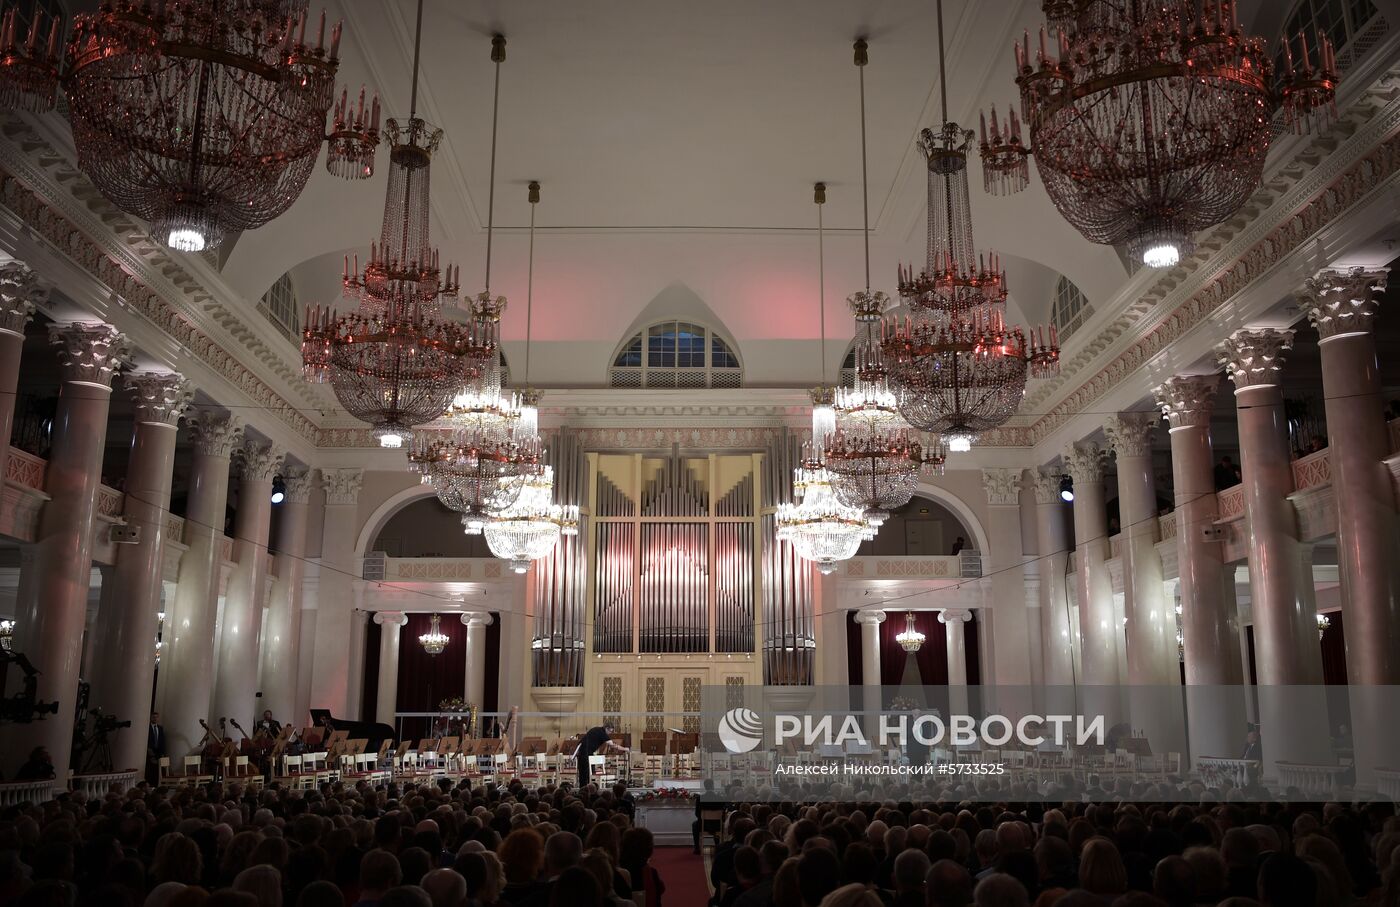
(789, 640)
(561, 582)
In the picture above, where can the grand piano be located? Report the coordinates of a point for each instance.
(372, 731)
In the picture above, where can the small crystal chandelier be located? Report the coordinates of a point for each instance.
(955, 364)
(434, 641)
(395, 362)
(1152, 121)
(910, 639)
(203, 117)
(1323, 622)
(820, 529)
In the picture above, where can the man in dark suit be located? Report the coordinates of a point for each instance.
(597, 738)
(155, 748)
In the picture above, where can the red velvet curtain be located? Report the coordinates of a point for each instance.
(1334, 651)
(931, 659)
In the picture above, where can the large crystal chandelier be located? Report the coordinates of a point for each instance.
(530, 528)
(1150, 121)
(874, 458)
(820, 528)
(203, 117)
(396, 362)
(956, 365)
(434, 641)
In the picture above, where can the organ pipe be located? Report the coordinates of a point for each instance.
(561, 578)
(789, 641)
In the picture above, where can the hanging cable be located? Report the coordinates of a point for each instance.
(534, 197)
(498, 56)
(862, 58)
(417, 49)
(819, 196)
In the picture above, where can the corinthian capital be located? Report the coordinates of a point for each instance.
(1046, 481)
(1131, 433)
(259, 461)
(215, 434)
(1084, 462)
(1341, 303)
(1187, 400)
(88, 352)
(1254, 357)
(342, 485)
(296, 482)
(20, 292)
(1003, 486)
(159, 398)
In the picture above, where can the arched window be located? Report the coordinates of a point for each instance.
(676, 354)
(279, 304)
(1068, 308)
(1353, 27)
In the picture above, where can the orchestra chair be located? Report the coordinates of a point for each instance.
(504, 767)
(711, 828)
(163, 774)
(653, 756)
(399, 754)
(321, 768)
(194, 774)
(598, 771)
(291, 770)
(243, 770)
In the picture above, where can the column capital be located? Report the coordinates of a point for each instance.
(1343, 303)
(89, 352)
(1187, 400)
(1003, 486)
(1084, 462)
(1253, 357)
(870, 617)
(215, 434)
(20, 292)
(1046, 482)
(259, 461)
(342, 486)
(390, 618)
(1131, 433)
(954, 616)
(158, 398)
(476, 619)
(296, 484)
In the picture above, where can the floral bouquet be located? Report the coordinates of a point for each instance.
(902, 704)
(664, 793)
(454, 704)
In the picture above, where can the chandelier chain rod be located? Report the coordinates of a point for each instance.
(821, 278)
(530, 280)
(497, 55)
(942, 64)
(417, 50)
(864, 165)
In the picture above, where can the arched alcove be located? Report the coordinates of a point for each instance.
(425, 528)
(921, 527)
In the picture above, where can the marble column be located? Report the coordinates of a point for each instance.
(1057, 629)
(956, 641)
(19, 293)
(1094, 588)
(236, 681)
(52, 620)
(1342, 305)
(281, 635)
(476, 623)
(1209, 624)
(187, 656)
(1006, 675)
(1153, 666)
(870, 621)
(355, 678)
(390, 628)
(128, 619)
(1282, 601)
(330, 677)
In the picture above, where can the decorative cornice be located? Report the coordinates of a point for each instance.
(342, 486)
(259, 461)
(1084, 462)
(296, 484)
(870, 617)
(88, 353)
(215, 434)
(1187, 400)
(1003, 487)
(1046, 481)
(158, 398)
(1342, 303)
(1131, 433)
(1253, 357)
(20, 293)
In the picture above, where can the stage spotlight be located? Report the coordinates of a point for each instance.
(279, 490)
(1066, 489)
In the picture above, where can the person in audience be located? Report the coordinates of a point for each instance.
(634, 857)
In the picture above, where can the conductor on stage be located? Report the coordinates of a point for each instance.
(597, 738)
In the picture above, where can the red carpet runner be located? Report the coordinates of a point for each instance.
(683, 873)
